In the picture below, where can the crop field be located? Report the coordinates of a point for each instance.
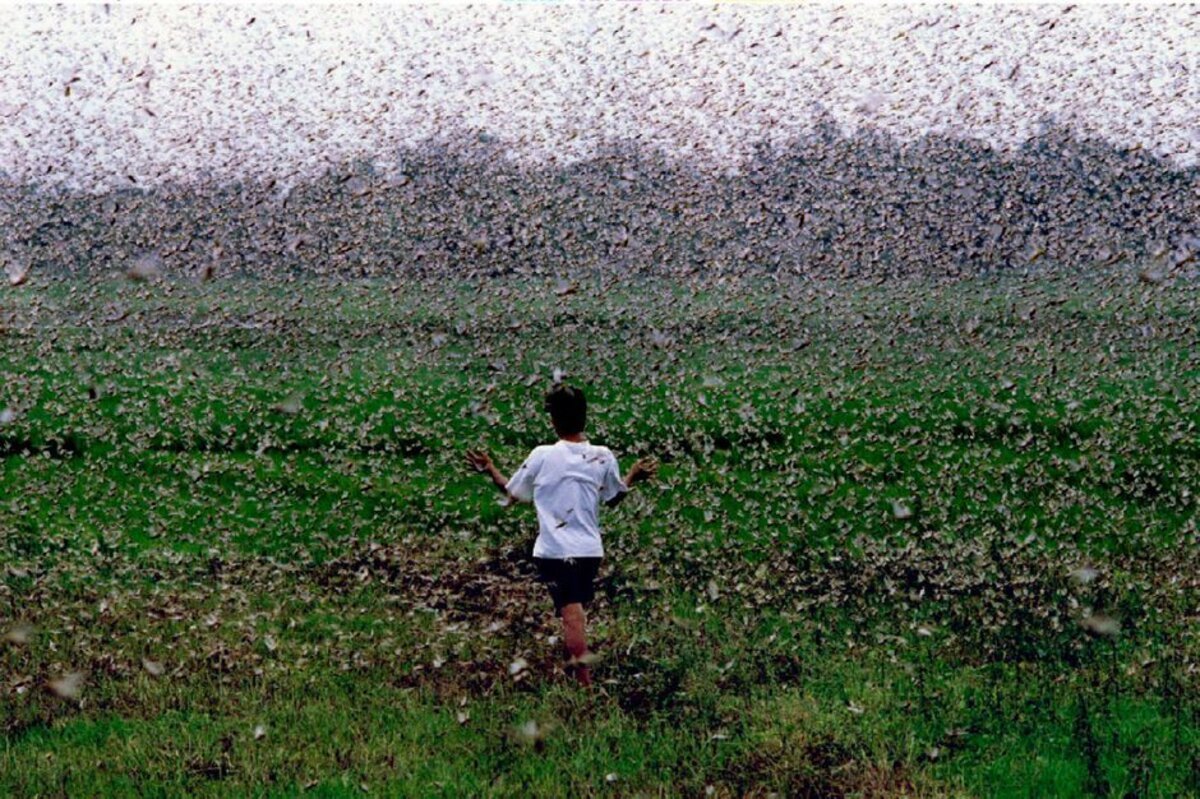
(908, 538)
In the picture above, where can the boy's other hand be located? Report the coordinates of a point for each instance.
(644, 469)
(479, 460)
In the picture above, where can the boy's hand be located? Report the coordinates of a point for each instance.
(480, 461)
(639, 472)
(644, 469)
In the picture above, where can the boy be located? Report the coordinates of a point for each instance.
(566, 480)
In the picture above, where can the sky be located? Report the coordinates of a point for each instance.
(93, 98)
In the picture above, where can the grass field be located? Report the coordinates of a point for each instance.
(908, 539)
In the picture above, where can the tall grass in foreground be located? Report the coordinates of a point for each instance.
(909, 539)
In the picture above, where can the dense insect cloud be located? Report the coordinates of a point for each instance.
(817, 139)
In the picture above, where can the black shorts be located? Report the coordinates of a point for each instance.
(570, 580)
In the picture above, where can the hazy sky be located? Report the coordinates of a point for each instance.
(89, 97)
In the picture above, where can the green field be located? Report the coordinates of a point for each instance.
(908, 539)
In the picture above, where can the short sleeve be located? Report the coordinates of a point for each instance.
(611, 486)
(520, 485)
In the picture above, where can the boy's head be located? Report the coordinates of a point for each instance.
(568, 409)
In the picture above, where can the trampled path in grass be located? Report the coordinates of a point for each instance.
(895, 528)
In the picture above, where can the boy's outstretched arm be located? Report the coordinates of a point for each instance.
(482, 462)
(644, 469)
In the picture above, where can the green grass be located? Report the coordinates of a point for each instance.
(851, 577)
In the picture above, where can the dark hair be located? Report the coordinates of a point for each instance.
(568, 409)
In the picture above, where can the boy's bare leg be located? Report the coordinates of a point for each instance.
(575, 637)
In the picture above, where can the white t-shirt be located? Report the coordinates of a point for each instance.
(566, 481)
